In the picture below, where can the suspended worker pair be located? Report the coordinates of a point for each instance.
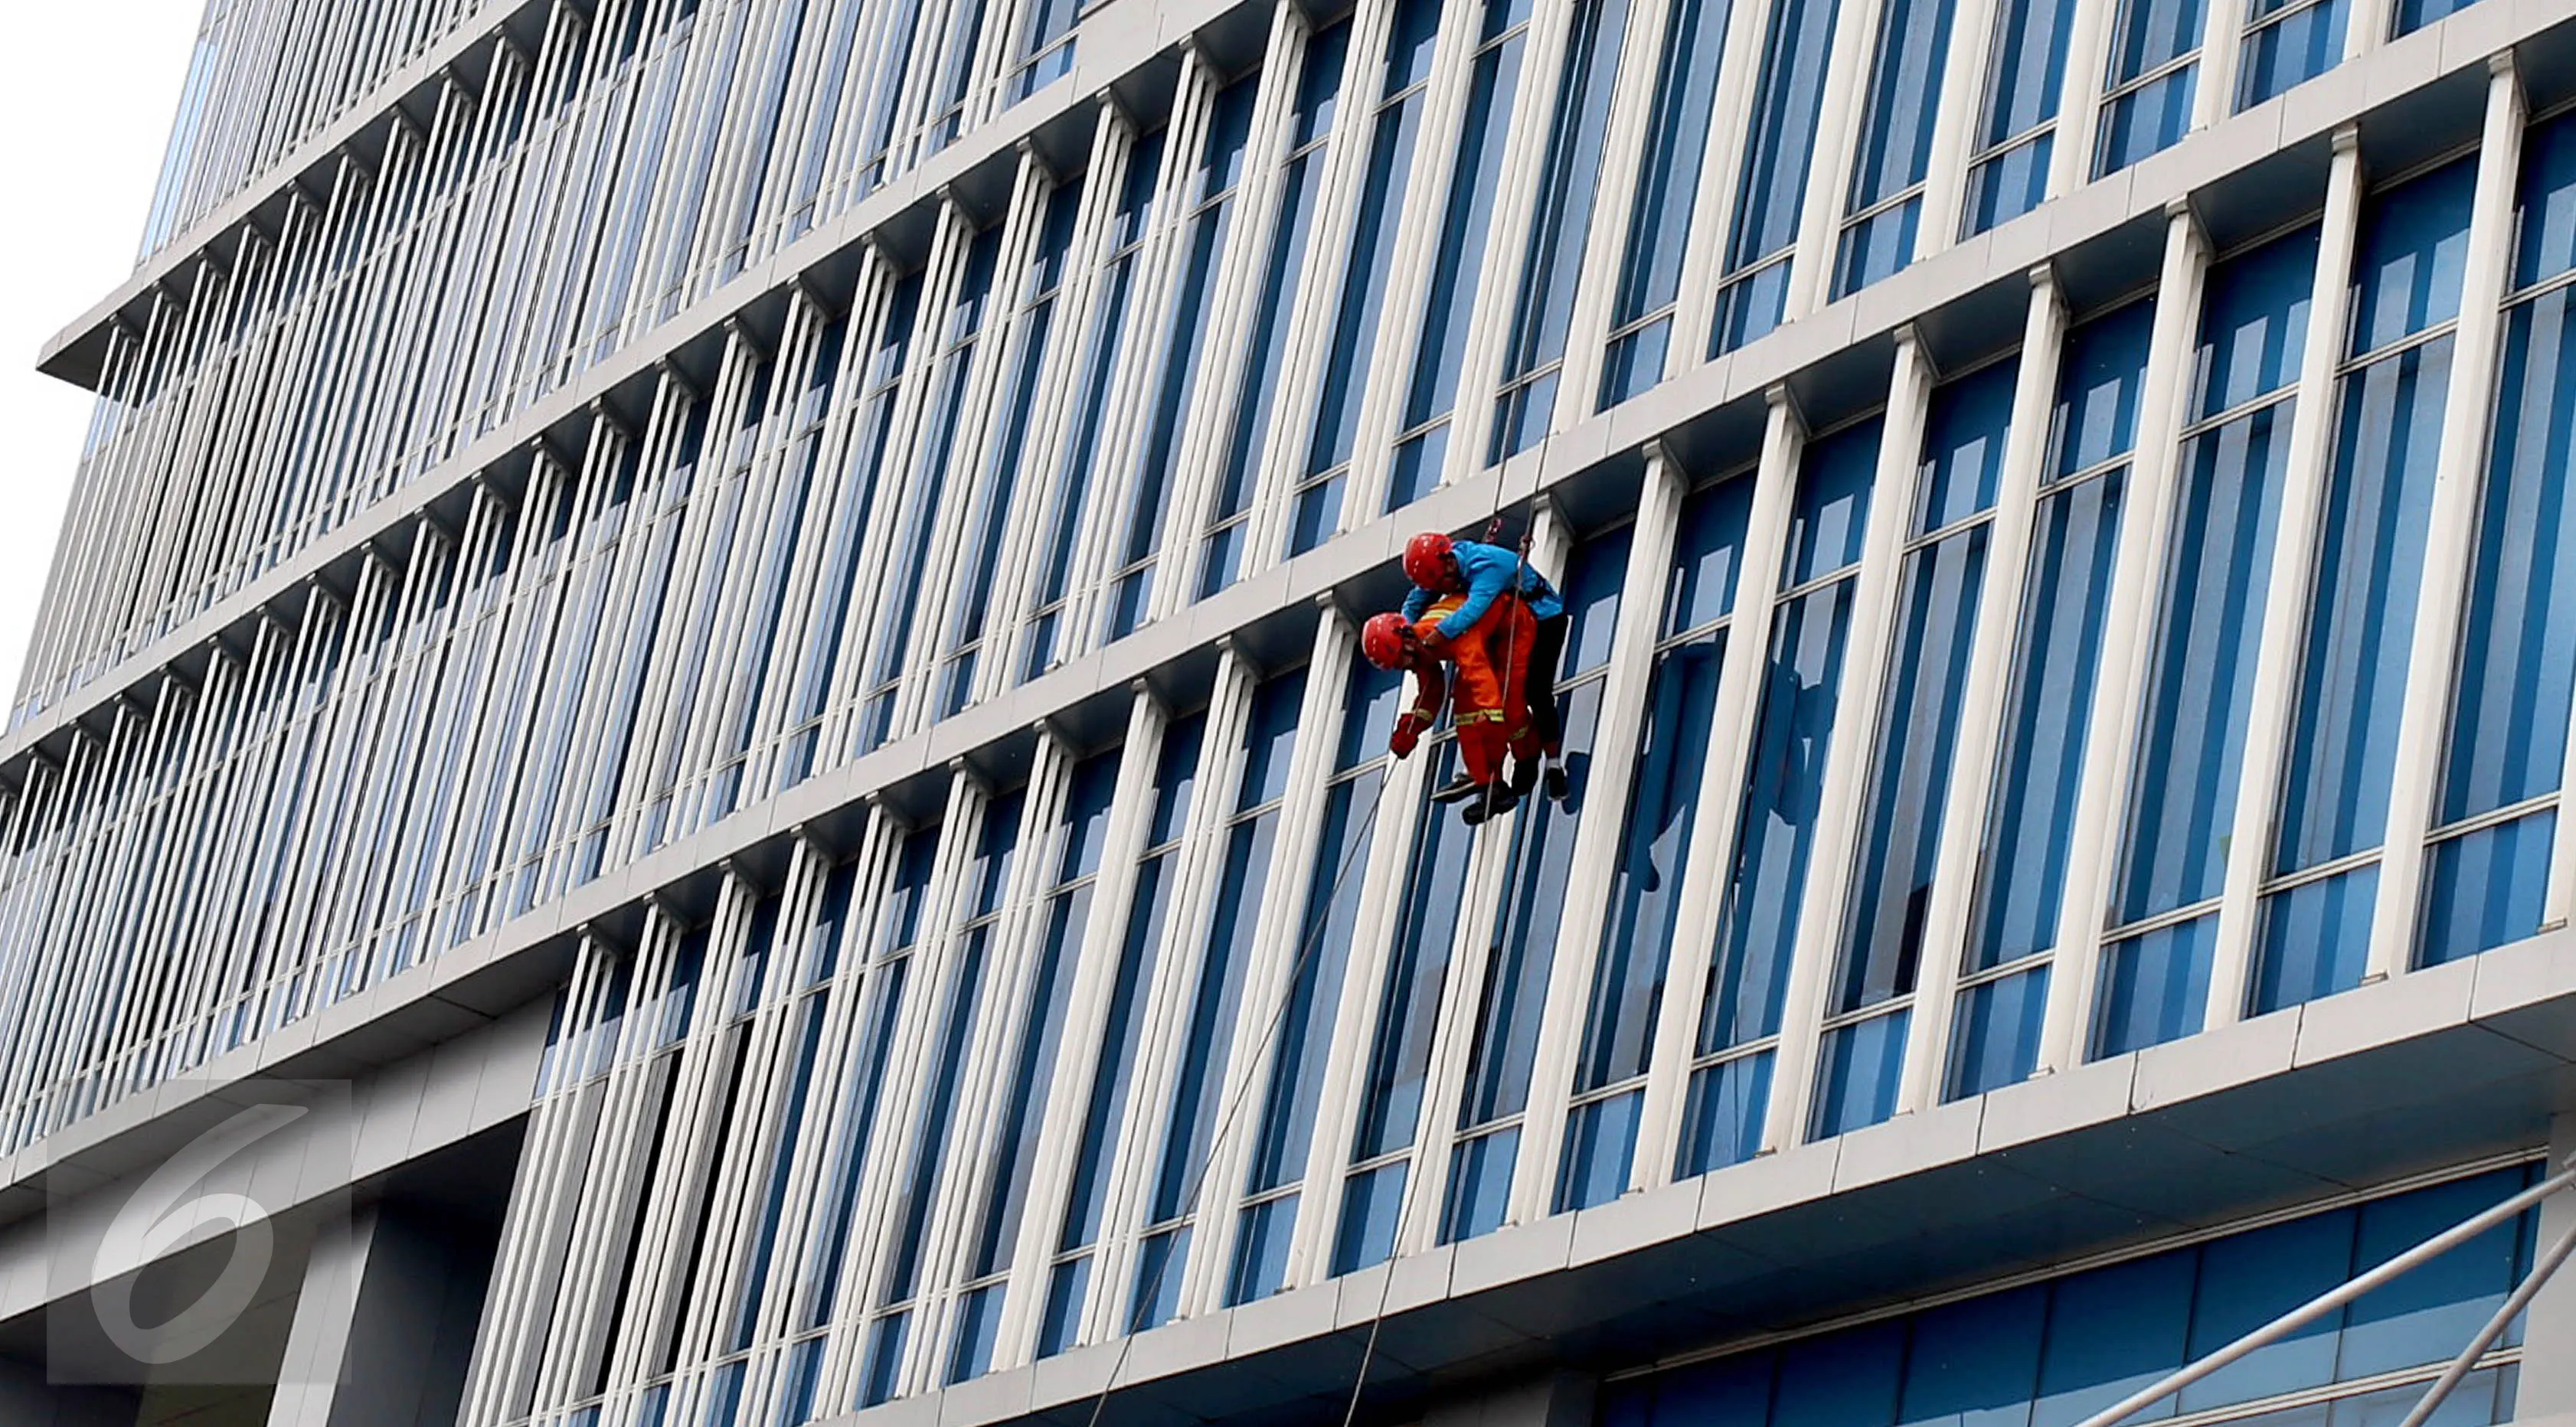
(1483, 609)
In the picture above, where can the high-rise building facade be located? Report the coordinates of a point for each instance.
(739, 618)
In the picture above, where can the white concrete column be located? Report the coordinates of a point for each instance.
(1838, 130)
(2110, 745)
(2366, 25)
(2548, 1383)
(1614, 204)
(1982, 706)
(2281, 646)
(1713, 207)
(2451, 529)
(1843, 792)
(2079, 99)
(1954, 130)
(2222, 48)
(1707, 872)
(1595, 860)
(384, 1326)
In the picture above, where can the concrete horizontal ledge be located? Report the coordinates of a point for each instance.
(1710, 414)
(2425, 1072)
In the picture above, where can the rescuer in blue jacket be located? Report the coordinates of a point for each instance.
(1437, 566)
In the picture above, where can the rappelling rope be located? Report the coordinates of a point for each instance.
(1152, 1288)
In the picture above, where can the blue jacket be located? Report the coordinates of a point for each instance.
(1489, 570)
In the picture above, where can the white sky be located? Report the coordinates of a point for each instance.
(86, 94)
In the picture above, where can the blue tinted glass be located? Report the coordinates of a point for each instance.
(1408, 48)
(1896, 138)
(979, 1325)
(2008, 185)
(1314, 997)
(2029, 59)
(2149, 33)
(1066, 1291)
(1212, 1019)
(2291, 52)
(2413, 244)
(1832, 509)
(2183, 802)
(2099, 381)
(2111, 1332)
(1593, 578)
(1175, 774)
(2315, 939)
(1319, 85)
(1460, 257)
(2546, 243)
(1138, 956)
(1371, 1205)
(1668, 177)
(1722, 1118)
(1909, 785)
(1480, 1185)
(1750, 307)
(1567, 184)
(2485, 889)
(1270, 738)
(1400, 1062)
(1845, 1379)
(1158, 1279)
(1997, 1038)
(1261, 1250)
(1086, 818)
(1784, 780)
(1876, 247)
(1732, 1392)
(1859, 1066)
(2424, 1315)
(1256, 396)
(2361, 624)
(2155, 988)
(1781, 139)
(1516, 978)
(1364, 282)
(1963, 446)
(1368, 711)
(1708, 549)
(1975, 1364)
(2413, 15)
(2518, 653)
(1636, 362)
(1600, 1148)
(2249, 1279)
(2147, 120)
(2254, 322)
(2048, 715)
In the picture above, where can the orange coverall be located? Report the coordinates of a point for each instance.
(1492, 659)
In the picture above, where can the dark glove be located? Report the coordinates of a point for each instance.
(1408, 733)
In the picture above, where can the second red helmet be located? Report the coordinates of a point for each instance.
(1426, 560)
(1382, 640)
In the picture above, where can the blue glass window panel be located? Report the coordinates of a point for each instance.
(2518, 653)
(2485, 889)
(2029, 59)
(884, 1361)
(1731, 1392)
(1212, 1019)
(2147, 120)
(2413, 15)
(1780, 138)
(2545, 245)
(1319, 84)
(1086, 818)
(1159, 1260)
(2049, 714)
(2414, 245)
(1270, 739)
(2291, 52)
(1368, 711)
(2100, 380)
(1067, 1289)
(1183, 350)
(1723, 1113)
(2426, 1314)
(1859, 1065)
(2155, 988)
(1400, 1063)
(1749, 307)
(724, 1395)
(1257, 395)
(1417, 468)
(1480, 1185)
(1176, 773)
(1324, 951)
(1845, 1379)
(1997, 1039)
(1832, 509)
(989, 871)
(1975, 1364)
(1600, 1150)
(2482, 1398)
(1408, 48)
(2361, 622)
(1783, 784)
(1115, 1075)
(1636, 362)
(1567, 185)
(1904, 95)
(2315, 939)
(979, 1325)
(2249, 1279)
(1593, 580)
(2151, 33)
(1708, 553)
(2008, 185)
(1963, 446)
(1891, 889)
(1442, 349)
(1261, 1250)
(1371, 1205)
(2111, 1332)
(1668, 178)
(2183, 803)
(932, 1121)
(1645, 887)
(1877, 247)
(1364, 281)
(2254, 323)
(1032, 1078)
(1516, 978)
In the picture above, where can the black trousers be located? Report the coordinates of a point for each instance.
(1547, 650)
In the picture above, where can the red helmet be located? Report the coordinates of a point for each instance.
(1382, 640)
(1426, 560)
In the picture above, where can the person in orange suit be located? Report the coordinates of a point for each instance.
(1492, 711)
